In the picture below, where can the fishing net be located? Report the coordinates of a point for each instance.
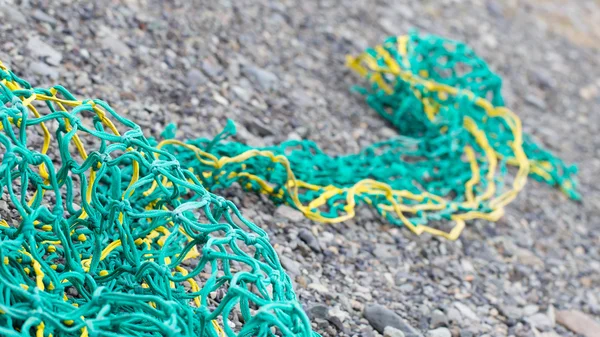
(110, 233)
(448, 164)
(93, 252)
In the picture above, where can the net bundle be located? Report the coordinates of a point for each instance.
(89, 251)
(449, 163)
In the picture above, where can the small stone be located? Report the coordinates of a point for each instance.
(390, 331)
(13, 14)
(195, 78)
(384, 251)
(535, 101)
(540, 321)
(220, 99)
(466, 312)
(339, 314)
(44, 69)
(511, 311)
(454, 315)
(289, 213)
(310, 240)
(319, 288)
(318, 311)
(266, 80)
(530, 309)
(494, 8)
(380, 317)
(578, 322)
(211, 69)
(439, 332)
(241, 93)
(116, 45)
(290, 265)
(43, 17)
(588, 92)
(438, 319)
(39, 48)
(528, 258)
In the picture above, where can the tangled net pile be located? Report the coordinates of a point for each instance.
(114, 234)
(449, 162)
(97, 253)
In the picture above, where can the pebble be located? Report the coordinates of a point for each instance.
(466, 312)
(116, 45)
(454, 315)
(195, 78)
(43, 17)
(439, 332)
(438, 319)
(380, 317)
(535, 101)
(289, 213)
(44, 69)
(319, 311)
(319, 288)
(40, 48)
(540, 321)
(310, 240)
(390, 331)
(241, 93)
(13, 14)
(291, 266)
(578, 322)
(528, 258)
(266, 80)
(530, 309)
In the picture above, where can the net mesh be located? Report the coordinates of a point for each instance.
(115, 234)
(94, 252)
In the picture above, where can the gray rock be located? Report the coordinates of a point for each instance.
(291, 266)
(11, 13)
(310, 240)
(116, 45)
(535, 101)
(319, 311)
(454, 315)
(266, 80)
(195, 78)
(211, 69)
(439, 332)
(530, 309)
(384, 251)
(578, 322)
(438, 319)
(540, 321)
(390, 331)
(39, 48)
(43, 17)
(528, 258)
(241, 93)
(511, 311)
(44, 69)
(289, 213)
(380, 317)
(465, 311)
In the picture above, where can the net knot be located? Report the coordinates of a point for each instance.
(124, 206)
(130, 135)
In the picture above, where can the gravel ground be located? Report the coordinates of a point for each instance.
(276, 67)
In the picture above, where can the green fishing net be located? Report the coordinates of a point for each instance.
(93, 252)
